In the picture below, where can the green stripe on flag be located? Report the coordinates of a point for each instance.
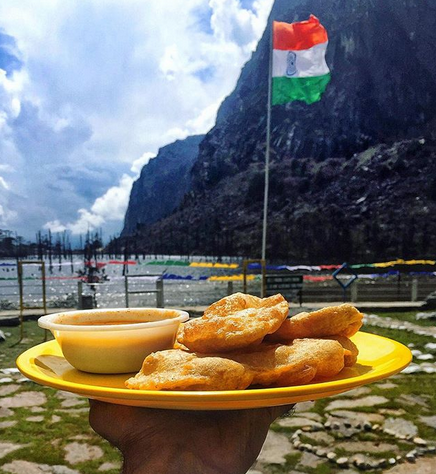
(307, 89)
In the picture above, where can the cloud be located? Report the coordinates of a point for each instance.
(3, 183)
(6, 216)
(111, 206)
(138, 164)
(87, 87)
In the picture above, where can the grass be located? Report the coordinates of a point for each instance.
(45, 441)
(409, 316)
(405, 337)
(9, 352)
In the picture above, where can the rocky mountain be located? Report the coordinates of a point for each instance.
(163, 182)
(352, 176)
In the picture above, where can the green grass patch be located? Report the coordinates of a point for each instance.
(45, 441)
(33, 335)
(404, 337)
(325, 468)
(409, 316)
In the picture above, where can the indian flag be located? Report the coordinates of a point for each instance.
(299, 70)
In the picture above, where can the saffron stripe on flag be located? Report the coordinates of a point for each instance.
(300, 35)
(307, 89)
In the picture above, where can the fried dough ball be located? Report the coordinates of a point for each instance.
(297, 363)
(178, 370)
(177, 345)
(234, 322)
(232, 303)
(351, 350)
(344, 320)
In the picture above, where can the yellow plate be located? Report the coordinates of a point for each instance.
(379, 358)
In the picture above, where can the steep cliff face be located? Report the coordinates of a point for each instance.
(352, 175)
(163, 182)
(382, 89)
(378, 204)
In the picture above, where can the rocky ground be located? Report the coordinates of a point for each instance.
(388, 426)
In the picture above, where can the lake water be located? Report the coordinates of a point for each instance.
(62, 285)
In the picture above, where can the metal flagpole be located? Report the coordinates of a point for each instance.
(267, 149)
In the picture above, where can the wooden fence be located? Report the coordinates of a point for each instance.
(410, 289)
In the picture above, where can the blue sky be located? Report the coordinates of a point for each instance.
(90, 90)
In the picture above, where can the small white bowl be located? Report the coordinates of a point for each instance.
(113, 341)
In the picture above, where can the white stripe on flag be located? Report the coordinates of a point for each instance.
(306, 63)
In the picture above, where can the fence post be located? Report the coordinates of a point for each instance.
(354, 292)
(415, 289)
(160, 293)
(126, 290)
(80, 293)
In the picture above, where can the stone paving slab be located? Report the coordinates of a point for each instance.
(421, 466)
(429, 421)
(82, 452)
(275, 448)
(386, 322)
(6, 448)
(25, 467)
(24, 400)
(368, 401)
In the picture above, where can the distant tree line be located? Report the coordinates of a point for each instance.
(56, 247)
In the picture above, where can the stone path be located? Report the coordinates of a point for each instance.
(25, 467)
(18, 393)
(423, 362)
(315, 438)
(386, 322)
(345, 425)
(422, 466)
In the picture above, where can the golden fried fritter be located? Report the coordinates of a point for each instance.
(351, 350)
(178, 370)
(244, 340)
(344, 320)
(297, 363)
(232, 303)
(235, 322)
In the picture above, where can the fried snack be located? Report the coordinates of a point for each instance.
(297, 363)
(351, 350)
(231, 304)
(235, 322)
(344, 320)
(178, 370)
(178, 345)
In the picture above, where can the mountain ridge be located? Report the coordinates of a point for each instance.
(162, 184)
(380, 104)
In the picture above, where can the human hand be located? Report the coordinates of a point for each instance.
(188, 442)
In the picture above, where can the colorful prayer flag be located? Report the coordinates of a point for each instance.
(299, 70)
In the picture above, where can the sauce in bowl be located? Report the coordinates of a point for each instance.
(104, 323)
(113, 341)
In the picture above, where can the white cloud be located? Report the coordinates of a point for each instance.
(112, 205)
(140, 162)
(55, 226)
(3, 183)
(95, 84)
(6, 216)
(109, 207)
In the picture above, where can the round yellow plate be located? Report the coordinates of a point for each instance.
(379, 358)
